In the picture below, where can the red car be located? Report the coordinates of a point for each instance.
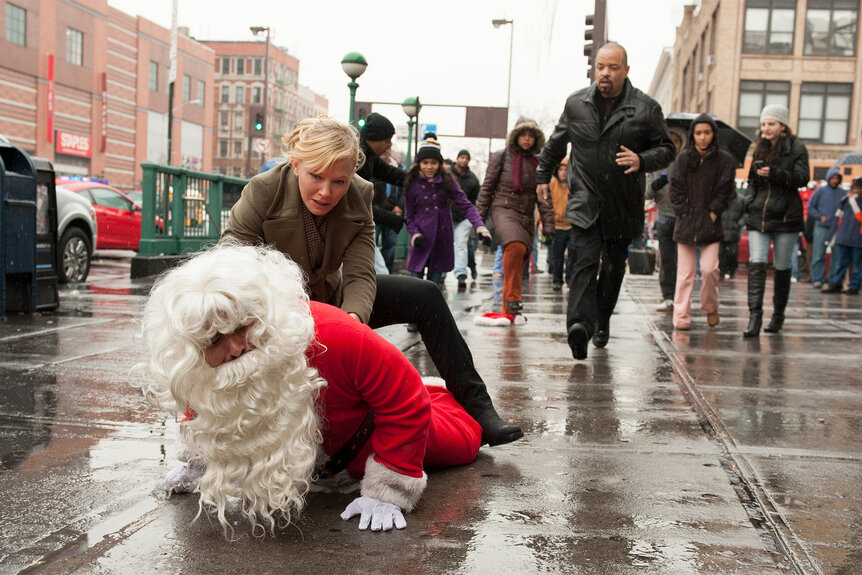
(118, 217)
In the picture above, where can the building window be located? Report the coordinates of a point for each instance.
(237, 121)
(222, 148)
(240, 66)
(225, 94)
(187, 87)
(824, 112)
(258, 66)
(154, 76)
(753, 96)
(237, 148)
(830, 28)
(240, 95)
(686, 80)
(769, 26)
(224, 120)
(74, 47)
(202, 88)
(225, 65)
(255, 94)
(16, 25)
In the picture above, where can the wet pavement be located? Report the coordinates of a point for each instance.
(666, 452)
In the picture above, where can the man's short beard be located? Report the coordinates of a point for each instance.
(257, 433)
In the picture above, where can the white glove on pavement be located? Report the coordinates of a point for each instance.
(380, 514)
(183, 479)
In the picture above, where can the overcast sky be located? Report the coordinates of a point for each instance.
(445, 52)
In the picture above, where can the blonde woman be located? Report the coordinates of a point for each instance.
(314, 209)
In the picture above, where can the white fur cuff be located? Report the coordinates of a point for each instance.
(384, 484)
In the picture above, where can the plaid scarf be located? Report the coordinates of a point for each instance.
(315, 236)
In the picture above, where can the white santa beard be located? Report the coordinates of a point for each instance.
(257, 433)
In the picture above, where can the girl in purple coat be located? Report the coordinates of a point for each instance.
(430, 188)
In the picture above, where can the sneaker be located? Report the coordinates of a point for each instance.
(666, 305)
(818, 285)
(557, 287)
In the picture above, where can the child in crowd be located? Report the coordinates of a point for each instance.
(847, 249)
(430, 188)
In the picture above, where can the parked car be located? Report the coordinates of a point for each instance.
(118, 217)
(77, 232)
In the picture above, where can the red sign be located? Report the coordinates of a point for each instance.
(74, 144)
(104, 143)
(50, 122)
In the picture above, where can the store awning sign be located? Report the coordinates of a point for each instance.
(74, 144)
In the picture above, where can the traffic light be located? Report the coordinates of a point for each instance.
(589, 43)
(258, 122)
(362, 111)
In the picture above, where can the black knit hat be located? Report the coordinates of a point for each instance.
(464, 153)
(429, 149)
(377, 128)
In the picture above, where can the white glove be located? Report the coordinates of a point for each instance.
(183, 479)
(380, 514)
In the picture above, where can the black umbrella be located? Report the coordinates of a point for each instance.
(729, 137)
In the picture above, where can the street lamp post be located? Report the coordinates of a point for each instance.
(354, 65)
(511, 23)
(257, 30)
(411, 107)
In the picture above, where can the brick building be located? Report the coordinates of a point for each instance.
(733, 57)
(86, 86)
(240, 74)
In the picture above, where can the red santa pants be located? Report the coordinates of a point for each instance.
(454, 437)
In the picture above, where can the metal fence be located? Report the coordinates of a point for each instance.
(184, 211)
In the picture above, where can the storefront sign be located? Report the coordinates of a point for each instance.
(104, 143)
(50, 119)
(74, 144)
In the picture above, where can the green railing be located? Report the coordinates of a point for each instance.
(183, 210)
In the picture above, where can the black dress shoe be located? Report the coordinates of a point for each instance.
(601, 337)
(473, 273)
(462, 281)
(579, 337)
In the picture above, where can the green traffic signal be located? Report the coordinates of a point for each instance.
(258, 126)
(360, 122)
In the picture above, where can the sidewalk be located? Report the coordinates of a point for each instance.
(666, 452)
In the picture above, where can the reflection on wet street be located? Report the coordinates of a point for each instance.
(665, 452)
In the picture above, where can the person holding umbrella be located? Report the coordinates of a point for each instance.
(774, 213)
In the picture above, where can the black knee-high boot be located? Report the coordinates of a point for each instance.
(780, 295)
(756, 285)
(402, 299)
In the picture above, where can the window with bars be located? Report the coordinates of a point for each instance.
(824, 112)
(16, 25)
(753, 96)
(74, 47)
(831, 28)
(769, 27)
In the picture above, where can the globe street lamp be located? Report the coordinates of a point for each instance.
(411, 107)
(511, 23)
(353, 64)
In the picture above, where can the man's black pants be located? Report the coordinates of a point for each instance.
(597, 274)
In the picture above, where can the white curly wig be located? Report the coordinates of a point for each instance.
(256, 430)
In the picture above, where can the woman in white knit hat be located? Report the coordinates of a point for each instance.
(774, 213)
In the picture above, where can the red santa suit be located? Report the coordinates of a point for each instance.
(414, 425)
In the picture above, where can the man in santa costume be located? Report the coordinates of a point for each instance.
(278, 392)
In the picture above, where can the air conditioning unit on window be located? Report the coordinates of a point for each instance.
(710, 60)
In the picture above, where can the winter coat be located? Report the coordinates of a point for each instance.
(559, 197)
(383, 204)
(772, 204)
(850, 229)
(825, 201)
(657, 189)
(414, 425)
(513, 213)
(598, 188)
(270, 212)
(701, 185)
(375, 168)
(426, 208)
(732, 219)
(470, 184)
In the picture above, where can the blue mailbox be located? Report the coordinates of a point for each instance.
(17, 230)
